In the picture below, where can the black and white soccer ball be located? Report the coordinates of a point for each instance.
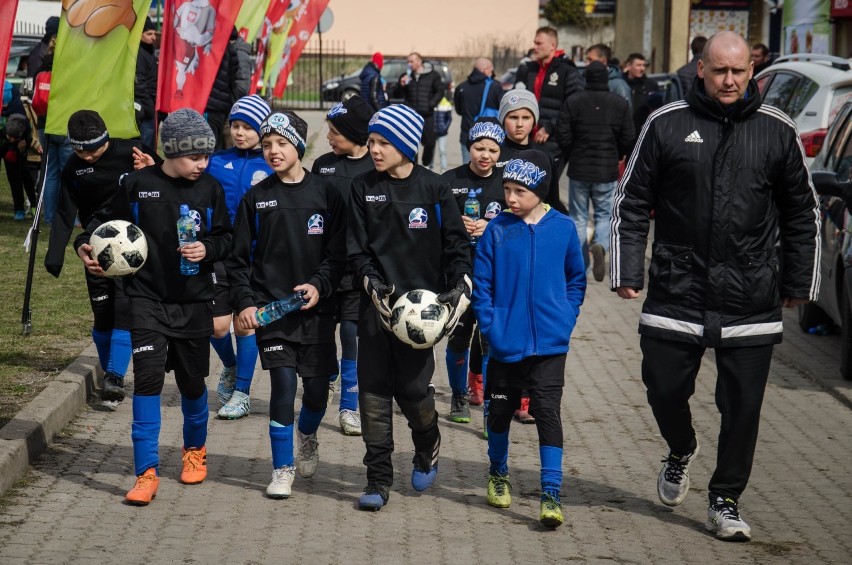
(119, 247)
(418, 319)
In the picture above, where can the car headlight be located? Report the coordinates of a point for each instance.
(332, 85)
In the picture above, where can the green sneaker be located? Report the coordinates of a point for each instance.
(551, 510)
(459, 411)
(499, 491)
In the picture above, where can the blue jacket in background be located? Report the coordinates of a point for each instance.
(528, 284)
(372, 88)
(237, 170)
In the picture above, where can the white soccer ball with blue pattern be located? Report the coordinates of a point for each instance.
(119, 247)
(418, 319)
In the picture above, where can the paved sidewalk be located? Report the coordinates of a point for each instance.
(69, 507)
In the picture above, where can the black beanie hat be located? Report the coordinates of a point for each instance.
(486, 128)
(289, 126)
(149, 25)
(51, 26)
(86, 130)
(597, 76)
(351, 118)
(531, 169)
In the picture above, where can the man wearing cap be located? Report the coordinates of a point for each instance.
(405, 233)
(90, 180)
(595, 130)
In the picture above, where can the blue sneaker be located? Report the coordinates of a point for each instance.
(375, 496)
(19, 215)
(421, 478)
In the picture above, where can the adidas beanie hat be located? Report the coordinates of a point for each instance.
(517, 99)
(86, 130)
(251, 110)
(486, 128)
(531, 169)
(401, 126)
(350, 118)
(186, 132)
(289, 126)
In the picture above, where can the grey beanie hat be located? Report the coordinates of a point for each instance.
(517, 99)
(186, 132)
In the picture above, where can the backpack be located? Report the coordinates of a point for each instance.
(41, 93)
(483, 111)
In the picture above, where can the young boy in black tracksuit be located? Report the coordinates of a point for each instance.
(405, 233)
(171, 313)
(484, 140)
(347, 136)
(290, 236)
(89, 181)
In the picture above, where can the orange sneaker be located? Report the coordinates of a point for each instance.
(194, 465)
(474, 387)
(523, 414)
(145, 488)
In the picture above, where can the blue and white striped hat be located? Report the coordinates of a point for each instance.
(250, 109)
(401, 126)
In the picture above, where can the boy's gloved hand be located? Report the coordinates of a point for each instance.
(380, 293)
(457, 300)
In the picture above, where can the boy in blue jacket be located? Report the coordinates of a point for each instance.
(527, 301)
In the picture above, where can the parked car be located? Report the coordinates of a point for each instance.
(810, 89)
(507, 79)
(342, 88)
(831, 173)
(19, 52)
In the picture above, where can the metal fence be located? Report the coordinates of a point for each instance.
(319, 62)
(28, 28)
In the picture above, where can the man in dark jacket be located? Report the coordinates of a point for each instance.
(372, 89)
(641, 88)
(595, 130)
(423, 90)
(686, 74)
(468, 96)
(225, 91)
(36, 56)
(736, 237)
(145, 87)
(603, 54)
(552, 78)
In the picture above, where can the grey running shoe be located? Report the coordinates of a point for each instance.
(673, 481)
(723, 519)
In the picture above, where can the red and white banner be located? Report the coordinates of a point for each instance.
(195, 36)
(8, 8)
(305, 20)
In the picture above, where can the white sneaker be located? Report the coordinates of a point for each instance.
(350, 422)
(308, 459)
(237, 407)
(282, 482)
(673, 481)
(333, 386)
(723, 519)
(227, 382)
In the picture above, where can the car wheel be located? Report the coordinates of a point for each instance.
(347, 94)
(811, 315)
(846, 337)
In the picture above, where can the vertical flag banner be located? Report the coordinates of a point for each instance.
(195, 36)
(7, 24)
(94, 64)
(274, 13)
(301, 20)
(250, 19)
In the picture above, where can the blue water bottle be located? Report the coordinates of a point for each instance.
(186, 235)
(280, 308)
(472, 208)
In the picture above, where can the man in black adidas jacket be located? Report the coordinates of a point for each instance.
(736, 237)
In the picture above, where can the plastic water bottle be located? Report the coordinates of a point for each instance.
(471, 209)
(186, 235)
(280, 308)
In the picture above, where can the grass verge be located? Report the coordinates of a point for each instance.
(61, 318)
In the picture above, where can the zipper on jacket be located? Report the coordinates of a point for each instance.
(531, 297)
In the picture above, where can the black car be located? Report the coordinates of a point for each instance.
(831, 173)
(341, 88)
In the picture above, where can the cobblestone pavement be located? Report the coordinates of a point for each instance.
(69, 508)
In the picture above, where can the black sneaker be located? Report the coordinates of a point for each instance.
(113, 388)
(459, 411)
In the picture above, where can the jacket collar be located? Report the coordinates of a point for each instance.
(738, 111)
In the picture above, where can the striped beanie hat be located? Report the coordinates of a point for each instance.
(401, 126)
(250, 109)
